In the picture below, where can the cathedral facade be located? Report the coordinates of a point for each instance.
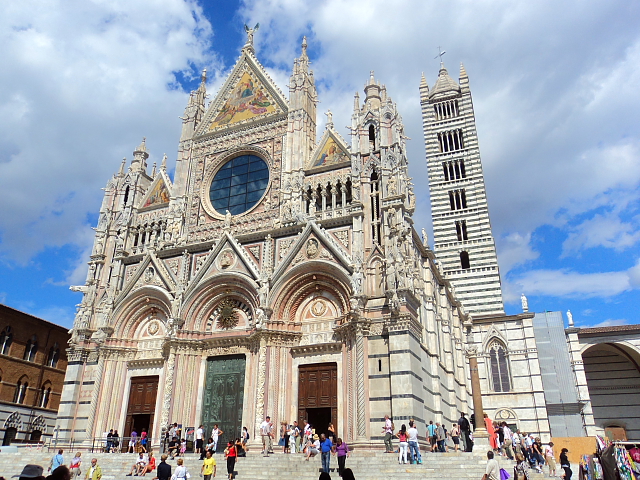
(275, 274)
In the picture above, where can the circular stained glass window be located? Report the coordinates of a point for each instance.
(239, 185)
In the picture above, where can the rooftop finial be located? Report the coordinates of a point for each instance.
(440, 54)
(329, 119)
(121, 172)
(163, 166)
(250, 32)
(372, 80)
(304, 46)
(204, 76)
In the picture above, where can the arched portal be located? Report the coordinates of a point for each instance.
(613, 378)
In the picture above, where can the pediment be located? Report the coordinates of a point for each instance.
(158, 194)
(226, 256)
(150, 272)
(313, 243)
(248, 96)
(331, 151)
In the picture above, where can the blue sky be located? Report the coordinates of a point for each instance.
(554, 88)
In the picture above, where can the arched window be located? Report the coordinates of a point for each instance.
(372, 138)
(21, 391)
(375, 207)
(464, 260)
(54, 354)
(30, 349)
(45, 395)
(499, 367)
(126, 194)
(6, 337)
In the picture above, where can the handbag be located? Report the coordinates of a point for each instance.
(504, 475)
(281, 442)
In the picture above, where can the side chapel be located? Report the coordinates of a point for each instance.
(275, 274)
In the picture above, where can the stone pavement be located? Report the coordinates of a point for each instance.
(366, 465)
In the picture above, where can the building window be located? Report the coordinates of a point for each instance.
(461, 230)
(45, 395)
(454, 170)
(375, 207)
(372, 138)
(30, 349)
(21, 391)
(499, 367)
(446, 109)
(54, 354)
(450, 141)
(6, 337)
(464, 260)
(457, 199)
(126, 195)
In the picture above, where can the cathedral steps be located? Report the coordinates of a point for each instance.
(365, 465)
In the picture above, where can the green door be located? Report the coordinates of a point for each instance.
(223, 397)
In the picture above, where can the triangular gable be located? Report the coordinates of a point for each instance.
(158, 193)
(143, 276)
(331, 151)
(242, 262)
(300, 246)
(249, 95)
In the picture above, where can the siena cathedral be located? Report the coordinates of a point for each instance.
(280, 273)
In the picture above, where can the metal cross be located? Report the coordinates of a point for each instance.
(440, 54)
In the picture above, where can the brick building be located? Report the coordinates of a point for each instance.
(32, 368)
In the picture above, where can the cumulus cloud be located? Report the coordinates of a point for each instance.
(81, 84)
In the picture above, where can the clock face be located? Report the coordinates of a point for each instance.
(239, 184)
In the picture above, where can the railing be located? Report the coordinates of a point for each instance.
(123, 444)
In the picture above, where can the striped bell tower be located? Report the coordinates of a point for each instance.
(463, 241)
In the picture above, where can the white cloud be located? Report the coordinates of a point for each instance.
(606, 230)
(81, 83)
(515, 249)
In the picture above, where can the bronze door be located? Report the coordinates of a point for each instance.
(223, 398)
(318, 395)
(142, 404)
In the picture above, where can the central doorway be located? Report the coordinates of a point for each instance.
(318, 395)
(142, 405)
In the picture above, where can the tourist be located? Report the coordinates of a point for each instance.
(388, 434)
(403, 443)
(521, 470)
(324, 476)
(291, 435)
(245, 438)
(565, 465)
(507, 444)
(516, 442)
(528, 444)
(61, 473)
(31, 472)
(240, 448)
(174, 448)
(209, 446)
(493, 433)
(56, 461)
(332, 432)
(313, 447)
(266, 428)
(215, 434)
(537, 453)
(500, 433)
(181, 471)
(139, 466)
(465, 430)
(109, 441)
(283, 442)
(115, 441)
(199, 440)
(550, 458)
(143, 440)
(347, 474)
(342, 451)
(455, 436)
(75, 465)
(164, 469)
(132, 441)
(326, 446)
(306, 437)
(440, 437)
(173, 430)
(95, 471)
(492, 472)
(151, 465)
(209, 466)
(298, 437)
(414, 446)
(231, 455)
(431, 433)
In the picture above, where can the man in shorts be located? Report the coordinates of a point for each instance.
(199, 435)
(266, 428)
(209, 466)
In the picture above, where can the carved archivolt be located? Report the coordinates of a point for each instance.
(39, 423)
(14, 420)
(133, 317)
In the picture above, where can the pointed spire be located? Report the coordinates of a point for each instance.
(464, 78)
(163, 165)
(304, 47)
(121, 171)
(153, 170)
(423, 83)
(356, 102)
(203, 77)
(140, 155)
